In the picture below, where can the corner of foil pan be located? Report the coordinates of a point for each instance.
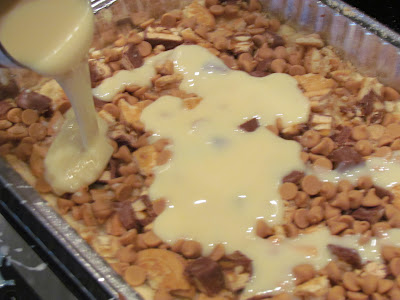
(70, 240)
(364, 20)
(370, 46)
(98, 5)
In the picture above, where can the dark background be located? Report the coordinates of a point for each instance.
(385, 11)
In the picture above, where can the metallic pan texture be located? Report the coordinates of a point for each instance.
(362, 40)
(371, 47)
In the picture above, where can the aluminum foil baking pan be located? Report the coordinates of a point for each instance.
(372, 47)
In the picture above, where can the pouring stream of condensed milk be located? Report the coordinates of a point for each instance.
(52, 37)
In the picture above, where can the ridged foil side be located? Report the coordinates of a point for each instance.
(66, 235)
(370, 47)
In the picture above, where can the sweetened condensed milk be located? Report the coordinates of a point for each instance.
(221, 179)
(52, 37)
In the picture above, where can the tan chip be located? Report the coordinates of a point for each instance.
(146, 158)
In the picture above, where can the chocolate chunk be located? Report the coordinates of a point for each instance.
(382, 192)
(98, 71)
(343, 137)
(274, 40)
(113, 165)
(250, 125)
(294, 177)
(127, 216)
(367, 103)
(151, 215)
(8, 86)
(264, 65)
(346, 110)
(259, 73)
(371, 215)
(33, 100)
(377, 117)
(124, 138)
(345, 157)
(169, 41)
(98, 104)
(206, 274)
(230, 1)
(132, 58)
(231, 261)
(347, 255)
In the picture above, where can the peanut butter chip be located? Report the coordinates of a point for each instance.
(365, 182)
(311, 185)
(337, 227)
(37, 131)
(296, 70)
(394, 266)
(163, 157)
(42, 186)
(360, 133)
(393, 130)
(168, 20)
(315, 215)
(263, 230)
(135, 275)
(288, 190)
(310, 139)
(144, 48)
(390, 252)
(231, 10)
(300, 218)
(391, 94)
(14, 115)
(371, 199)
(159, 206)
(191, 249)
(218, 252)
(350, 281)
(324, 147)
(369, 284)
(151, 239)
(302, 199)
(323, 162)
(336, 293)
(278, 65)
(127, 254)
(364, 147)
(375, 131)
(384, 285)
(303, 273)
(123, 191)
(217, 10)
(29, 116)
